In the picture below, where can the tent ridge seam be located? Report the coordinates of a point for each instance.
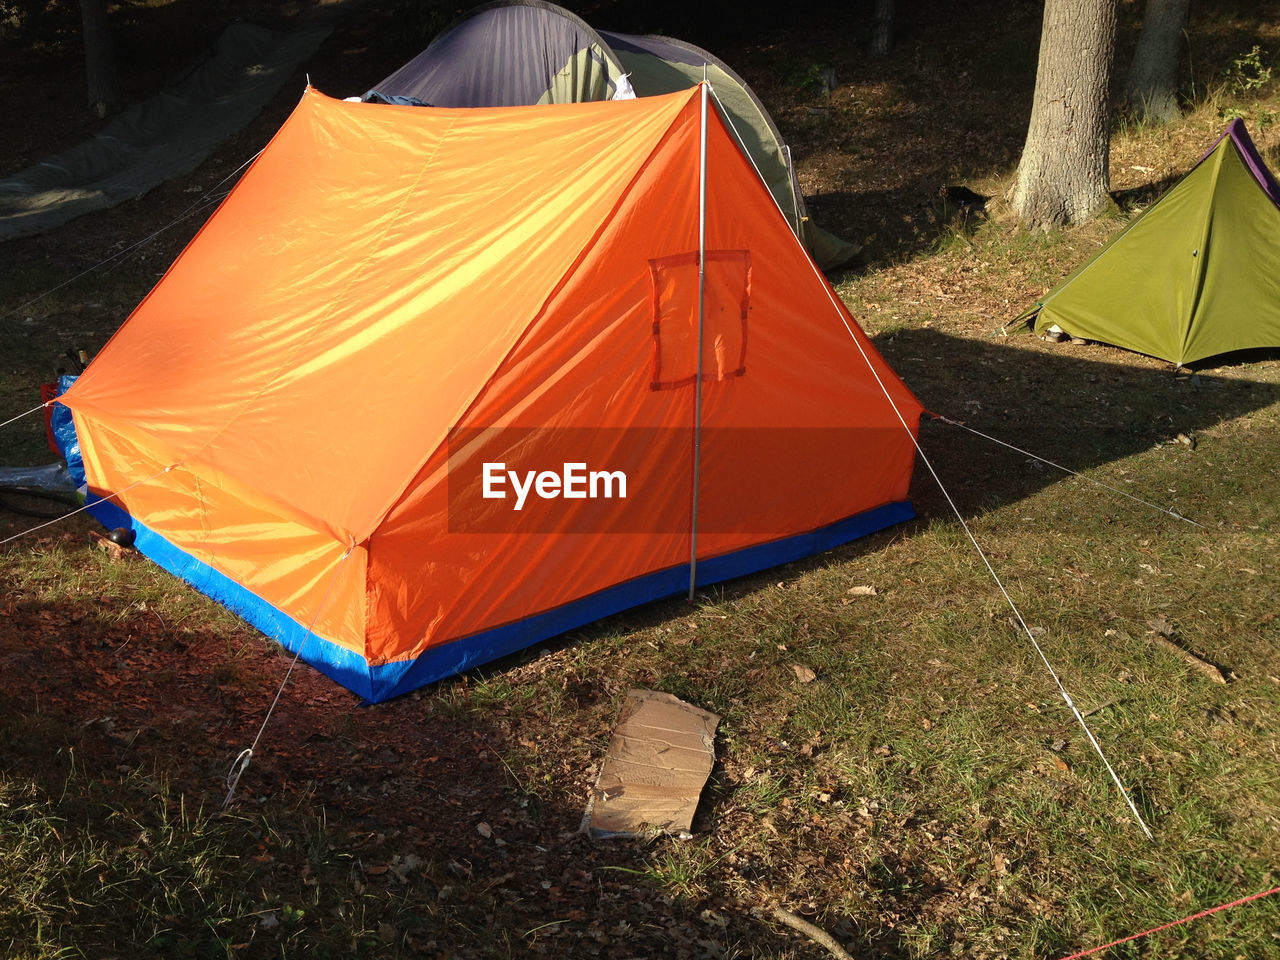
(589, 245)
(1200, 254)
(288, 362)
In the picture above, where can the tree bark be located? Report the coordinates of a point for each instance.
(1063, 176)
(99, 57)
(882, 28)
(1151, 88)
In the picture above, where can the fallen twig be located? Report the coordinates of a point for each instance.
(816, 934)
(1100, 707)
(1210, 670)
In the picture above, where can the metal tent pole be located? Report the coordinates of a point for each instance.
(697, 382)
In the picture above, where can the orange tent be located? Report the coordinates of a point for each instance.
(428, 387)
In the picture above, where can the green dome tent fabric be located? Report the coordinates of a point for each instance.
(656, 65)
(1194, 276)
(526, 52)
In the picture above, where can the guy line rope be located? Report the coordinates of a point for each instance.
(242, 761)
(87, 506)
(209, 198)
(986, 562)
(841, 312)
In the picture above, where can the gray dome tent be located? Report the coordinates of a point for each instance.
(510, 53)
(525, 52)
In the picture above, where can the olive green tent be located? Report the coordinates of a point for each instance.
(1195, 275)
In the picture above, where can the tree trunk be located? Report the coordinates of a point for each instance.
(1063, 176)
(882, 29)
(99, 57)
(1151, 89)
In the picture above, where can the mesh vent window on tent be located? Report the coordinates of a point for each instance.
(675, 317)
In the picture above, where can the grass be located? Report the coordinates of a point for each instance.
(926, 794)
(106, 855)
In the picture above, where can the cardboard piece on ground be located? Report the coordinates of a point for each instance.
(658, 761)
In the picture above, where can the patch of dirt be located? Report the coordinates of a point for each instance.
(419, 785)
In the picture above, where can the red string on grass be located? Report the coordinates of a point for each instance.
(1195, 916)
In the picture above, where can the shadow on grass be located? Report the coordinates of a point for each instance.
(1079, 406)
(346, 797)
(1140, 197)
(442, 823)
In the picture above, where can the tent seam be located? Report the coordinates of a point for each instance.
(537, 315)
(179, 258)
(287, 363)
(1201, 253)
(784, 149)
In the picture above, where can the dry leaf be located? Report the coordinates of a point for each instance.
(484, 830)
(862, 591)
(114, 550)
(804, 674)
